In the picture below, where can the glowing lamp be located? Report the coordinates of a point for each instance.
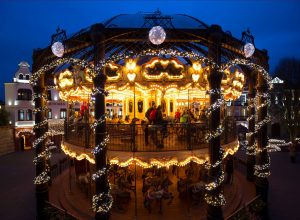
(130, 65)
(249, 50)
(195, 77)
(131, 76)
(157, 35)
(197, 66)
(58, 49)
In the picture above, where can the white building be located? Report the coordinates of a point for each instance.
(19, 103)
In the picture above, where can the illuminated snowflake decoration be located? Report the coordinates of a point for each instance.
(249, 50)
(58, 49)
(157, 35)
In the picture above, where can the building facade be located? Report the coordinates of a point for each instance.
(19, 103)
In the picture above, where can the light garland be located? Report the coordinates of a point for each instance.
(157, 52)
(251, 150)
(42, 178)
(44, 155)
(101, 120)
(263, 170)
(102, 202)
(99, 91)
(153, 162)
(214, 134)
(214, 106)
(248, 63)
(262, 123)
(36, 75)
(100, 147)
(214, 184)
(215, 200)
(100, 173)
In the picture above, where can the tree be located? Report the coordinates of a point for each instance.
(288, 69)
(4, 117)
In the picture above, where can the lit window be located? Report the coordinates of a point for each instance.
(50, 114)
(29, 115)
(21, 115)
(24, 94)
(63, 113)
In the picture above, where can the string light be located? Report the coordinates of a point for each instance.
(102, 202)
(214, 184)
(215, 200)
(100, 173)
(99, 121)
(42, 178)
(101, 146)
(153, 162)
(44, 155)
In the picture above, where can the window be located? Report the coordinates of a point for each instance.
(21, 115)
(24, 94)
(49, 95)
(29, 115)
(21, 76)
(63, 113)
(130, 106)
(50, 114)
(27, 77)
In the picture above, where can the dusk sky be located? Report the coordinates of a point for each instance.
(26, 25)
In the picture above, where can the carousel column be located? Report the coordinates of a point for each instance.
(102, 201)
(262, 164)
(251, 145)
(42, 178)
(214, 193)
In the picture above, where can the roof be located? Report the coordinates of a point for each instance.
(148, 20)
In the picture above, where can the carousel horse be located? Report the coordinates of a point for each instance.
(158, 195)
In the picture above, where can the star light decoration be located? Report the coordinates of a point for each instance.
(249, 50)
(157, 35)
(58, 49)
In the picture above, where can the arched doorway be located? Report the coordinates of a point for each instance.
(22, 142)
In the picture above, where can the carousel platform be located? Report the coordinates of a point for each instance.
(70, 196)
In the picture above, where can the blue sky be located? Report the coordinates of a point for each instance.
(26, 25)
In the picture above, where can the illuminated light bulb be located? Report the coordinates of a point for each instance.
(249, 50)
(195, 77)
(157, 35)
(58, 49)
(131, 76)
(197, 66)
(130, 65)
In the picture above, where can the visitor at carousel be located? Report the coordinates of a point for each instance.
(177, 116)
(127, 119)
(160, 121)
(147, 121)
(114, 119)
(184, 118)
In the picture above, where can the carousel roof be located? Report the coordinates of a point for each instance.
(148, 20)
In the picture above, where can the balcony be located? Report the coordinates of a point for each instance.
(149, 138)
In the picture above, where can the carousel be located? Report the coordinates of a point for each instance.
(153, 96)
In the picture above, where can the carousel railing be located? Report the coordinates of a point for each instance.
(149, 138)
